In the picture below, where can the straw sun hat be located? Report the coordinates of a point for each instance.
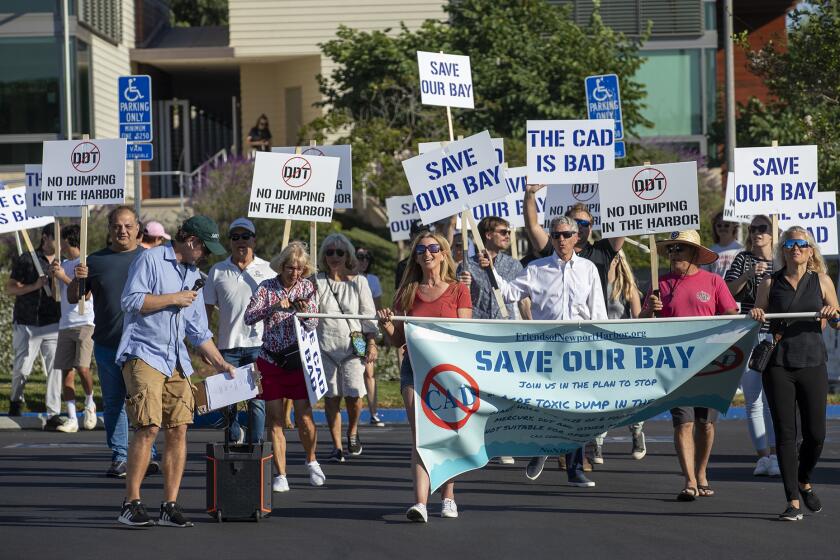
(689, 237)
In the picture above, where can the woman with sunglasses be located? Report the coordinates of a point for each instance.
(274, 304)
(365, 259)
(725, 236)
(745, 274)
(428, 289)
(259, 138)
(797, 374)
(341, 291)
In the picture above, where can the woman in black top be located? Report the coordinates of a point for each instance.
(797, 371)
(260, 136)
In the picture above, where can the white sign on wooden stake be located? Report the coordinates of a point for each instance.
(768, 180)
(564, 152)
(344, 183)
(445, 80)
(83, 172)
(293, 187)
(402, 212)
(561, 198)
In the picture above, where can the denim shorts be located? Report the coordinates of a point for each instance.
(406, 373)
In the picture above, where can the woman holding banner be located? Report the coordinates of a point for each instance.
(745, 274)
(796, 374)
(428, 289)
(275, 303)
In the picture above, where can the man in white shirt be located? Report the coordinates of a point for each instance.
(562, 286)
(230, 285)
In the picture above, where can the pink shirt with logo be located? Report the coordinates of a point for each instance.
(702, 294)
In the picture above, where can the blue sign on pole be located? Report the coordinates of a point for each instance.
(134, 101)
(143, 151)
(619, 149)
(603, 100)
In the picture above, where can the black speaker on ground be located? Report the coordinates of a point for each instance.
(239, 481)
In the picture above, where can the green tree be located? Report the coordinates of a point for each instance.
(528, 58)
(199, 13)
(803, 76)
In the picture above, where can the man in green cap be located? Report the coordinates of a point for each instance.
(162, 303)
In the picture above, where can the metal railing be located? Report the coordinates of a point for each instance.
(188, 182)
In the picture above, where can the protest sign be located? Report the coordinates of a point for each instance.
(769, 180)
(83, 172)
(445, 80)
(498, 145)
(402, 212)
(293, 187)
(526, 390)
(511, 207)
(310, 357)
(33, 197)
(729, 213)
(344, 184)
(564, 152)
(461, 174)
(649, 199)
(13, 213)
(559, 199)
(819, 216)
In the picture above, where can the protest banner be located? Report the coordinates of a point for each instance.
(729, 213)
(402, 212)
(344, 183)
(768, 180)
(14, 215)
(649, 199)
(83, 172)
(310, 357)
(565, 152)
(819, 216)
(445, 80)
(525, 389)
(559, 199)
(448, 180)
(33, 197)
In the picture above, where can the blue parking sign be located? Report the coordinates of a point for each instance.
(134, 103)
(620, 151)
(142, 151)
(603, 100)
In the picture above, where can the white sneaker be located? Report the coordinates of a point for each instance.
(280, 483)
(70, 426)
(418, 513)
(762, 467)
(773, 470)
(89, 418)
(507, 460)
(316, 475)
(448, 509)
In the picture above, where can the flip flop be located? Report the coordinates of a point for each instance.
(705, 490)
(688, 494)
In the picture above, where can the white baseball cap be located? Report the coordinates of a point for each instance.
(243, 223)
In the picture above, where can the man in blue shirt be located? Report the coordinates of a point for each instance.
(163, 304)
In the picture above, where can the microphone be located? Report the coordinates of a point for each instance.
(199, 283)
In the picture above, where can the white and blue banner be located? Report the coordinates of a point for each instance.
(524, 389)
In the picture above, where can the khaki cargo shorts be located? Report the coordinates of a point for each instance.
(152, 399)
(74, 348)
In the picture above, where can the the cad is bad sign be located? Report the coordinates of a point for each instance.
(445, 80)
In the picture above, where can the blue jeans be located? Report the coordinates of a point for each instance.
(239, 357)
(113, 398)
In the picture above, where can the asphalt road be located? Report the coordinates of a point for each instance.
(55, 503)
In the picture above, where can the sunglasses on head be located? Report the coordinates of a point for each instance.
(331, 252)
(432, 248)
(583, 223)
(677, 248)
(503, 232)
(801, 243)
(762, 228)
(563, 234)
(242, 236)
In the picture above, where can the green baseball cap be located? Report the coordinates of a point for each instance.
(205, 229)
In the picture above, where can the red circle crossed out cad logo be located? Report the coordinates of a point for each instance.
(467, 410)
(729, 360)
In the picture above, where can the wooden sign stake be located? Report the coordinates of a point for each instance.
(56, 289)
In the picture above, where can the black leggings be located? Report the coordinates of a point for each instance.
(785, 388)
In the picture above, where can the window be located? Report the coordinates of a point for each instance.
(30, 99)
(81, 84)
(669, 17)
(30, 6)
(710, 15)
(674, 105)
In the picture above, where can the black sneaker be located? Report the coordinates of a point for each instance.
(172, 516)
(809, 497)
(791, 514)
(337, 456)
(153, 468)
(354, 444)
(54, 422)
(15, 408)
(134, 514)
(116, 470)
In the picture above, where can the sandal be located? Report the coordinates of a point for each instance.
(705, 490)
(688, 494)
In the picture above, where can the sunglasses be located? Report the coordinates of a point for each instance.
(677, 248)
(433, 248)
(503, 232)
(331, 252)
(563, 234)
(763, 228)
(583, 223)
(801, 243)
(723, 225)
(242, 236)
(362, 256)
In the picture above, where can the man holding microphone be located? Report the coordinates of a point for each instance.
(162, 303)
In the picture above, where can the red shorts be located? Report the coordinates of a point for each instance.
(279, 383)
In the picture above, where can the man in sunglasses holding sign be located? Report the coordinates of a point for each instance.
(689, 291)
(230, 285)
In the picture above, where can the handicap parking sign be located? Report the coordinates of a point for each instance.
(603, 100)
(134, 104)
